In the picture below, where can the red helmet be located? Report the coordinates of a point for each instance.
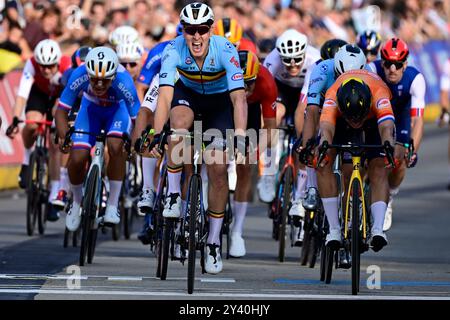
(395, 49)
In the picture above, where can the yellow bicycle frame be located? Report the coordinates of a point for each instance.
(356, 161)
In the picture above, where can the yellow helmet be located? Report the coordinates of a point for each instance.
(230, 29)
(249, 63)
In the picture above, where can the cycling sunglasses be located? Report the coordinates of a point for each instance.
(131, 64)
(288, 61)
(201, 29)
(373, 52)
(51, 66)
(397, 64)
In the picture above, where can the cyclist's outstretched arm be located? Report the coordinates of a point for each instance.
(163, 108)
(239, 101)
(387, 129)
(417, 91)
(326, 131)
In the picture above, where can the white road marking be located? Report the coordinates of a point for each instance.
(114, 278)
(219, 295)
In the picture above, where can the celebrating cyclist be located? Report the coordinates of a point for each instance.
(370, 42)
(109, 103)
(38, 90)
(290, 64)
(261, 92)
(358, 100)
(211, 89)
(407, 87)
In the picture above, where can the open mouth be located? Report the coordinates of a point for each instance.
(197, 47)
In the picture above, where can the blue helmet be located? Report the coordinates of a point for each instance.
(369, 41)
(179, 29)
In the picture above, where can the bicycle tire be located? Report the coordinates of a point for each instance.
(91, 247)
(32, 197)
(86, 217)
(127, 223)
(42, 217)
(306, 239)
(66, 237)
(355, 237)
(43, 193)
(193, 209)
(75, 238)
(287, 185)
(166, 237)
(329, 257)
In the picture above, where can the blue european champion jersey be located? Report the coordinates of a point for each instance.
(221, 71)
(152, 64)
(122, 88)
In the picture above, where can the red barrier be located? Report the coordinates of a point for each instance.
(11, 151)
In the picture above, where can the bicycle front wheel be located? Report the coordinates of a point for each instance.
(166, 240)
(32, 194)
(194, 210)
(287, 187)
(88, 213)
(355, 237)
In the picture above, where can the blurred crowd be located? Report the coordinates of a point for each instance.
(88, 22)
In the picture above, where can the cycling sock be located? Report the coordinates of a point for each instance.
(63, 179)
(331, 211)
(215, 225)
(54, 188)
(148, 172)
(268, 160)
(183, 206)
(114, 192)
(311, 178)
(174, 177)
(26, 156)
(301, 184)
(239, 212)
(378, 211)
(394, 191)
(77, 192)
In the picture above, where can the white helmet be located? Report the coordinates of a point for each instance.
(47, 52)
(102, 62)
(349, 57)
(129, 52)
(291, 44)
(123, 34)
(197, 13)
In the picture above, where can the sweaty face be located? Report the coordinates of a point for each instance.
(393, 70)
(197, 38)
(100, 86)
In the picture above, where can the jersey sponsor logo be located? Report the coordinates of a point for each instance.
(163, 75)
(274, 105)
(152, 60)
(383, 103)
(268, 65)
(234, 61)
(142, 78)
(311, 82)
(312, 95)
(27, 75)
(117, 124)
(237, 76)
(78, 82)
(324, 68)
(400, 90)
(329, 103)
(164, 58)
(212, 63)
(127, 94)
(184, 102)
(229, 45)
(188, 60)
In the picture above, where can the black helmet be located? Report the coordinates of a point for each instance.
(330, 47)
(79, 56)
(354, 100)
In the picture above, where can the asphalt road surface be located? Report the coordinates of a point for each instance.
(415, 264)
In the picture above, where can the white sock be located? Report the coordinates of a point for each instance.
(378, 211)
(215, 224)
(312, 178)
(63, 179)
(174, 180)
(54, 188)
(301, 184)
(183, 206)
(114, 192)
(239, 212)
(77, 192)
(394, 191)
(331, 211)
(26, 156)
(269, 162)
(148, 172)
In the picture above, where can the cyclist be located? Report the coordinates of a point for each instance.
(232, 30)
(445, 88)
(324, 74)
(358, 100)
(330, 47)
(407, 87)
(123, 34)
(38, 90)
(130, 55)
(109, 102)
(370, 42)
(210, 88)
(78, 58)
(290, 64)
(261, 92)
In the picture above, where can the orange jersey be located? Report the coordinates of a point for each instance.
(380, 107)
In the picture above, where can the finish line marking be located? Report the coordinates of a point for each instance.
(218, 295)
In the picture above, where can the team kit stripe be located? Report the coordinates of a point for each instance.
(204, 77)
(384, 118)
(174, 169)
(417, 112)
(64, 106)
